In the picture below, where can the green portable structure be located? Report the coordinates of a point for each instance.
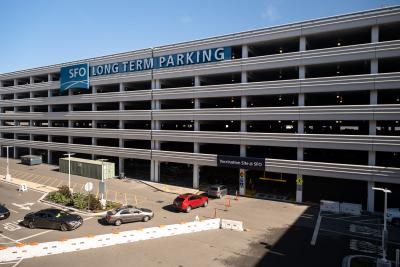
(88, 168)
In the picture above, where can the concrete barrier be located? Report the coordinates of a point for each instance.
(330, 206)
(350, 208)
(23, 251)
(231, 225)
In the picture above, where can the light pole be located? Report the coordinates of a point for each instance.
(69, 168)
(384, 233)
(102, 178)
(8, 176)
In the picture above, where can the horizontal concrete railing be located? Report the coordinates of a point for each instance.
(345, 112)
(319, 169)
(352, 142)
(380, 81)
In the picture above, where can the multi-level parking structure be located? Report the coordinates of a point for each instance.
(318, 101)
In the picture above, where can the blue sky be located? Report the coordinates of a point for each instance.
(43, 32)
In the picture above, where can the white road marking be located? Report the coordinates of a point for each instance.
(15, 265)
(13, 210)
(24, 206)
(10, 262)
(316, 230)
(357, 236)
(6, 237)
(45, 232)
(41, 233)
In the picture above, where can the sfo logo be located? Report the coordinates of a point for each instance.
(76, 76)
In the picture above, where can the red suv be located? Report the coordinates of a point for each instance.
(187, 202)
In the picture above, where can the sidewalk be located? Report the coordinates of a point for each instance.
(47, 178)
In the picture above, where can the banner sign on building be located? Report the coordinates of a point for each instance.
(75, 76)
(241, 162)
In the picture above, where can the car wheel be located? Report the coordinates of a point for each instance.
(64, 227)
(396, 222)
(205, 204)
(220, 196)
(118, 222)
(146, 218)
(188, 209)
(31, 225)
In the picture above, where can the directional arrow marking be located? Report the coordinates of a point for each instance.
(24, 206)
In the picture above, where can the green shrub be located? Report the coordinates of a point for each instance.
(64, 189)
(59, 198)
(94, 203)
(79, 201)
(112, 205)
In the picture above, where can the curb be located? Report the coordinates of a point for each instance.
(161, 190)
(71, 208)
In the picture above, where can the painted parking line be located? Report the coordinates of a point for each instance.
(6, 237)
(44, 232)
(13, 210)
(316, 230)
(358, 236)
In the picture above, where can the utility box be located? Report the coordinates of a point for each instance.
(31, 160)
(88, 168)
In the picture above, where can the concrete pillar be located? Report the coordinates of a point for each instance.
(49, 158)
(196, 176)
(121, 165)
(155, 145)
(303, 43)
(375, 34)
(49, 77)
(300, 150)
(370, 191)
(245, 51)
(31, 80)
(196, 145)
(243, 104)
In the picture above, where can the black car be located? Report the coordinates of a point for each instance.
(53, 219)
(4, 212)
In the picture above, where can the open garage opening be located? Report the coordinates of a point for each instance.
(178, 174)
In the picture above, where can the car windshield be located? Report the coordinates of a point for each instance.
(214, 188)
(2, 208)
(61, 214)
(179, 199)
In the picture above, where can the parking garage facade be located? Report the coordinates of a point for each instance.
(318, 102)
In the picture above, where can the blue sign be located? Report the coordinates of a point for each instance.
(175, 60)
(76, 76)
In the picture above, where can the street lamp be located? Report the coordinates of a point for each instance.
(102, 178)
(385, 233)
(69, 168)
(8, 176)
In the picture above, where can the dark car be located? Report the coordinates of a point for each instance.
(53, 219)
(187, 202)
(128, 214)
(4, 212)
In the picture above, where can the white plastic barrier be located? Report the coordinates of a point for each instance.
(23, 187)
(83, 243)
(232, 225)
(350, 208)
(330, 206)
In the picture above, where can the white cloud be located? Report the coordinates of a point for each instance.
(186, 19)
(270, 12)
